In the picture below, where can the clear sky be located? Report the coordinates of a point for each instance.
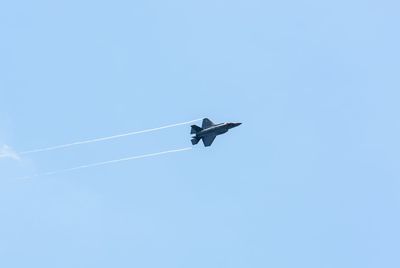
(311, 178)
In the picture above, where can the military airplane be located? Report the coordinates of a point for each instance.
(209, 131)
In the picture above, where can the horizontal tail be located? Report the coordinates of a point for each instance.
(195, 141)
(195, 129)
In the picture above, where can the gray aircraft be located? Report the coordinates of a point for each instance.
(209, 131)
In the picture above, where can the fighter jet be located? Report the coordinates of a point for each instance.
(209, 131)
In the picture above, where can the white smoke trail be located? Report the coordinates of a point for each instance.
(105, 138)
(106, 163)
(7, 152)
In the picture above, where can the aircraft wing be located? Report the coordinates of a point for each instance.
(207, 123)
(208, 140)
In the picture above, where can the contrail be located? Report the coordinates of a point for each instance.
(104, 138)
(7, 152)
(106, 163)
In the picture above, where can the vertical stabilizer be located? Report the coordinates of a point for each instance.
(195, 129)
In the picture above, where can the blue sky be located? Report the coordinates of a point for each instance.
(311, 178)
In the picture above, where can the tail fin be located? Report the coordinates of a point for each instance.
(195, 141)
(195, 129)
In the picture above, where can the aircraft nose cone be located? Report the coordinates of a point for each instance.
(237, 124)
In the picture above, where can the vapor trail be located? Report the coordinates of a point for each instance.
(106, 163)
(104, 138)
